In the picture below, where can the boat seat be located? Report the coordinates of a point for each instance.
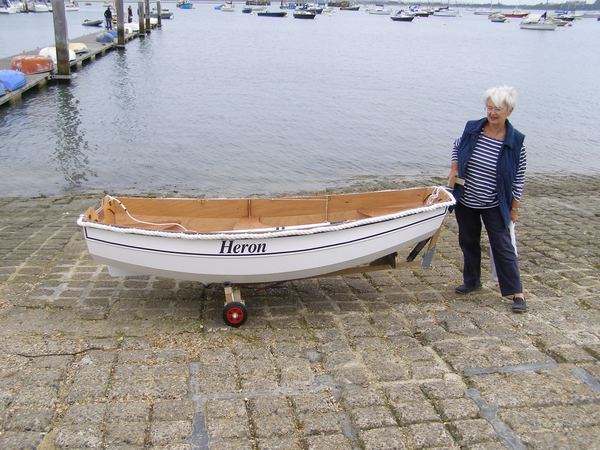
(248, 223)
(158, 227)
(381, 211)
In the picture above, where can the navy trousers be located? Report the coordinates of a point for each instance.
(469, 239)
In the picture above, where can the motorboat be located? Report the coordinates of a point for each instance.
(51, 53)
(92, 23)
(12, 79)
(447, 12)
(30, 64)
(402, 16)
(8, 7)
(304, 14)
(518, 13)
(497, 18)
(350, 8)
(379, 10)
(164, 14)
(228, 7)
(263, 240)
(271, 13)
(71, 6)
(185, 4)
(315, 9)
(251, 9)
(537, 22)
(39, 6)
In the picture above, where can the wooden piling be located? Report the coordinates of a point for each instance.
(147, 16)
(120, 24)
(159, 10)
(141, 20)
(63, 68)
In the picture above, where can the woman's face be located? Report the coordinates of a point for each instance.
(496, 115)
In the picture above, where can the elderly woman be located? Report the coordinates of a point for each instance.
(488, 164)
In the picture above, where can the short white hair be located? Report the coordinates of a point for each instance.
(500, 95)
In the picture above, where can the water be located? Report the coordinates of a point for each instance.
(233, 104)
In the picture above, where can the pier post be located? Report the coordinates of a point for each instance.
(61, 40)
(147, 16)
(141, 21)
(120, 24)
(159, 11)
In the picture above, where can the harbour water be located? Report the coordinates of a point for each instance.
(232, 104)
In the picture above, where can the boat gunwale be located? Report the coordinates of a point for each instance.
(271, 232)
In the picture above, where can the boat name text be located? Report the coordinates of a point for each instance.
(230, 247)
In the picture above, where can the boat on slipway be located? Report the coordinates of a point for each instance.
(263, 240)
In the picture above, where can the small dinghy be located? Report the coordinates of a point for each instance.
(12, 79)
(262, 240)
(30, 64)
(92, 23)
(78, 47)
(50, 52)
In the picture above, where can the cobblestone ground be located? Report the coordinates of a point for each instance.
(385, 360)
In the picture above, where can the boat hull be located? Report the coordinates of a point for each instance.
(259, 258)
(30, 64)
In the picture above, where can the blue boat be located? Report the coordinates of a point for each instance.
(12, 79)
(184, 4)
(2, 89)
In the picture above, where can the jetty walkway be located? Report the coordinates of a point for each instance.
(96, 49)
(385, 360)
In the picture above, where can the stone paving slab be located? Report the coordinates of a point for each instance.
(385, 360)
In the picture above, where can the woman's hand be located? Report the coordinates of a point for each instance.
(514, 215)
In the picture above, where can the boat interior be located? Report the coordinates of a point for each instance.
(214, 215)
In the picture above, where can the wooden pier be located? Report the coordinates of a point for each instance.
(96, 49)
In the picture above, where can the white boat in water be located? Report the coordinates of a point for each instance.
(39, 6)
(8, 7)
(537, 22)
(259, 240)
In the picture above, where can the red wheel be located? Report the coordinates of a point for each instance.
(235, 314)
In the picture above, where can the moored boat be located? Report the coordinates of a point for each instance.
(8, 7)
(537, 22)
(30, 64)
(497, 18)
(272, 13)
(304, 14)
(350, 8)
(164, 14)
(402, 16)
(185, 4)
(262, 240)
(92, 23)
(516, 13)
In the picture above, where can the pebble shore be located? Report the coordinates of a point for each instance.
(386, 360)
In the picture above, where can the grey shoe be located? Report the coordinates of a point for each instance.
(519, 305)
(464, 289)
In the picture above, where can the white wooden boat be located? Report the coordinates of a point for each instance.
(51, 53)
(259, 240)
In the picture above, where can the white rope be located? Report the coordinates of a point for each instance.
(272, 232)
(143, 221)
(434, 195)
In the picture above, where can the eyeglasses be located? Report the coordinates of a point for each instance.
(495, 109)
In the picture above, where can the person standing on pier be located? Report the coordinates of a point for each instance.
(129, 14)
(489, 160)
(108, 17)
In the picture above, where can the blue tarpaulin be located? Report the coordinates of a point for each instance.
(12, 79)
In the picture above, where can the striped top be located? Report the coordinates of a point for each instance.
(480, 178)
